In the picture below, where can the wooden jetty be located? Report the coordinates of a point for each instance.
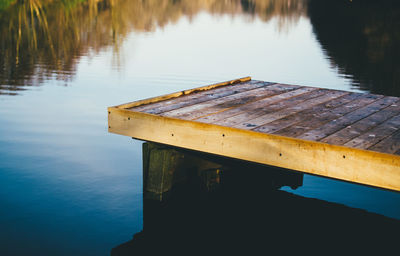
(343, 135)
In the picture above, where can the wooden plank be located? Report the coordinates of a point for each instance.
(260, 108)
(310, 114)
(182, 93)
(355, 165)
(342, 136)
(253, 124)
(198, 97)
(389, 145)
(322, 117)
(224, 103)
(340, 123)
(215, 117)
(375, 135)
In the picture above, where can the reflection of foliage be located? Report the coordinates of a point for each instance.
(5, 3)
(287, 12)
(362, 39)
(44, 38)
(156, 13)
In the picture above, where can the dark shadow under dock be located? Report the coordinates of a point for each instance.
(248, 220)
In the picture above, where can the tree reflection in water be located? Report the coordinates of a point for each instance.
(42, 39)
(361, 39)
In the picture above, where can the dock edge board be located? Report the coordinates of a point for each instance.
(349, 164)
(181, 93)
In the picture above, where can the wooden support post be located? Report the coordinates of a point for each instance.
(165, 167)
(162, 167)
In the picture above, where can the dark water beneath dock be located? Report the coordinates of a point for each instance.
(67, 187)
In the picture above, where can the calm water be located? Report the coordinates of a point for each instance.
(67, 187)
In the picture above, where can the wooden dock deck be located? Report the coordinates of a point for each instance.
(338, 134)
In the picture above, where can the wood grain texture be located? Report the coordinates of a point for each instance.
(311, 114)
(348, 119)
(375, 135)
(348, 136)
(389, 145)
(355, 165)
(321, 117)
(183, 93)
(199, 97)
(257, 123)
(260, 109)
(223, 103)
(229, 113)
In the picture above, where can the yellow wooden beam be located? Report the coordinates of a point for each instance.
(181, 93)
(344, 163)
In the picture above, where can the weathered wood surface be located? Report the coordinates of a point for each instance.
(337, 134)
